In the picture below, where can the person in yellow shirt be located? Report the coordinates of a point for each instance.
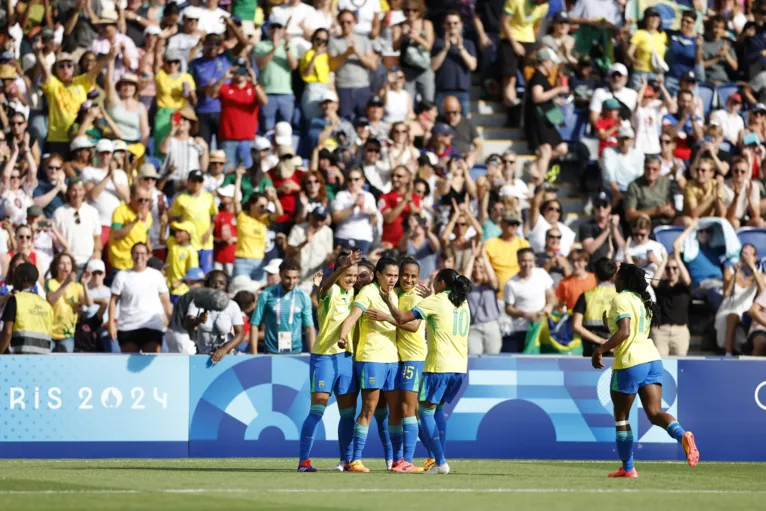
(197, 206)
(315, 71)
(67, 297)
(637, 366)
(519, 28)
(501, 251)
(377, 358)
(130, 225)
(331, 369)
(646, 41)
(448, 318)
(253, 220)
(175, 90)
(180, 259)
(65, 93)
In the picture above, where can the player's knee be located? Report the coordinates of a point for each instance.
(381, 414)
(317, 410)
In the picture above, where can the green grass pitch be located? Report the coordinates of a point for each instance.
(270, 484)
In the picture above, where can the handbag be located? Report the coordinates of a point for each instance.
(658, 64)
(417, 57)
(554, 114)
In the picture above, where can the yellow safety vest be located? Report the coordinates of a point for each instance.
(33, 325)
(597, 301)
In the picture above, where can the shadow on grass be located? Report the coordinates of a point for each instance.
(156, 468)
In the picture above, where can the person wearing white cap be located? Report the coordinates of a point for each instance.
(623, 164)
(616, 88)
(542, 133)
(215, 171)
(276, 57)
(106, 187)
(187, 38)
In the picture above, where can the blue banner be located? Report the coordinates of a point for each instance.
(94, 406)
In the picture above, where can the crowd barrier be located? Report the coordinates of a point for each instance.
(97, 406)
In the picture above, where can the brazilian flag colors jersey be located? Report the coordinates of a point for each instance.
(332, 311)
(411, 345)
(447, 333)
(377, 339)
(638, 348)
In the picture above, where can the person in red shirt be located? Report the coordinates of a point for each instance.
(397, 205)
(225, 232)
(287, 180)
(240, 102)
(608, 124)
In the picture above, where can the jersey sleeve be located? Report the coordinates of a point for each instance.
(364, 300)
(118, 218)
(427, 307)
(620, 308)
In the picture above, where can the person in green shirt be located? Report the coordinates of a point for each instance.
(254, 181)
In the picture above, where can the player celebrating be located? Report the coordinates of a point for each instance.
(637, 367)
(332, 368)
(447, 360)
(377, 359)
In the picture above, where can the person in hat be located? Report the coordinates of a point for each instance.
(197, 206)
(501, 251)
(315, 72)
(241, 100)
(617, 79)
(65, 92)
(106, 186)
(608, 124)
(559, 39)
(131, 223)
(276, 57)
(328, 124)
(542, 135)
(175, 90)
(287, 179)
(271, 271)
(79, 224)
(682, 56)
(352, 58)
(110, 37)
(67, 297)
(123, 106)
(182, 257)
(206, 70)
(311, 244)
(80, 156)
(225, 233)
(97, 315)
(215, 171)
(647, 41)
(147, 177)
(185, 40)
(184, 151)
(375, 111)
(601, 235)
(94, 122)
(729, 119)
(440, 143)
(14, 87)
(622, 164)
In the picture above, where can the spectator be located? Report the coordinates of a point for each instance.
(177, 338)
(414, 39)
(18, 135)
(26, 309)
(501, 252)
(528, 297)
(207, 70)
(462, 234)
(181, 257)
(106, 186)
(742, 282)
(216, 166)
(550, 258)
(718, 52)
(542, 135)
(420, 243)
(354, 211)
(285, 312)
(276, 58)
(617, 77)
(440, 144)
(671, 165)
(647, 45)
(651, 195)
(50, 192)
(240, 102)
(15, 198)
(543, 215)
(398, 103)
(484, 336)
(287, 179)
(684, 126)
(212, 19)
(729, 119)
(127, 112)
(684, 52)
(705, 266)
(352, 59)
(608, 125)
(453, 59)
(110, 37)
(673, 291)
(397, 204)
(601, 236)
(46, 239)
(711, 148)
(375, 111)
(519, 25)
(315, 72)
(647, 118)
(97, 315)
(368, 16)
(743, 196)
(216, 330)
(225, 233)
(80, 226)
(466, 141)
(757, 335)
(67, 297)
(22, 243)
(621, 165)
(576, 283)
(147, 91)
(314, 195)
(142, 295)
(311, 245)
(175, 91)
(185, 152)
(328, 125)
(93, 121)
(584, 82)
(588, 311)
(376, 169)
(182, 43)
(197, 206)
(400, 148)
(130, 227)
(80, 156)
(641, 250)
(704, 196)
(558, 38)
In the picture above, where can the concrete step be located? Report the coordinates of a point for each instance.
(489, 120)
(501, 133)
(487, 107)
(500, 146)
(571, 205)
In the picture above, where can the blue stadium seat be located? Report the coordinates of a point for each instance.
(707, 93)
(575, 124)
(667, 234)
(724, 91)
(755, 236)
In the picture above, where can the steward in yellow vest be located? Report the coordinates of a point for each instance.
(27, 318)
(587, 313)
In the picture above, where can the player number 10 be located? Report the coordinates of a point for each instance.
(460, 322)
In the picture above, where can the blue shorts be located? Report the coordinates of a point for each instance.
(440, 388)
(409, 375)
(628, 381)
(377, 375)
(333, 374)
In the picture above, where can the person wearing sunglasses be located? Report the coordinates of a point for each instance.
(541, 216)
(79, 225)
(354, 211)
(651, 195)
(109, 36)
(315, 72)
(601, 236)
(14, 197)
(551, 260)
(176, 90)
(64, 92)
(742, 196)
(682, 56)
(640, 250)
(206, 71)
(415, 37)
(130, 226)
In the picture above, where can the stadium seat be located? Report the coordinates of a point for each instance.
(667, 234)
(707, 94)
(575, 125)
(755, 236)
(724, 91)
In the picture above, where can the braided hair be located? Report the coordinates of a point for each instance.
(633, 278)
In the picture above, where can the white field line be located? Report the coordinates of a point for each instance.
(384, 490)
(457, 461)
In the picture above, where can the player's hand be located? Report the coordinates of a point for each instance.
(422, 290)
(342, 342)
(375, 315)
(604, 321)
(596, 359)
(317, 279)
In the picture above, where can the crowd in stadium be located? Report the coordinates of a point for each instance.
(150, 149)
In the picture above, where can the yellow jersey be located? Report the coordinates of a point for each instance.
(524, 15)
(199, 211)
(180, 260)
(66, 310)
(64, 104)
(321, 72)
(119, 250)
(332, 312)
(447, 333)
(411, 345)
(638, 348)
(646, 44)
(251, 236)
(377, 339)
(502, 256)
(170, 90)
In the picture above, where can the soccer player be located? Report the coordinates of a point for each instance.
(377, 359)
(331, 367)
(637, 366)
(447, 360)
